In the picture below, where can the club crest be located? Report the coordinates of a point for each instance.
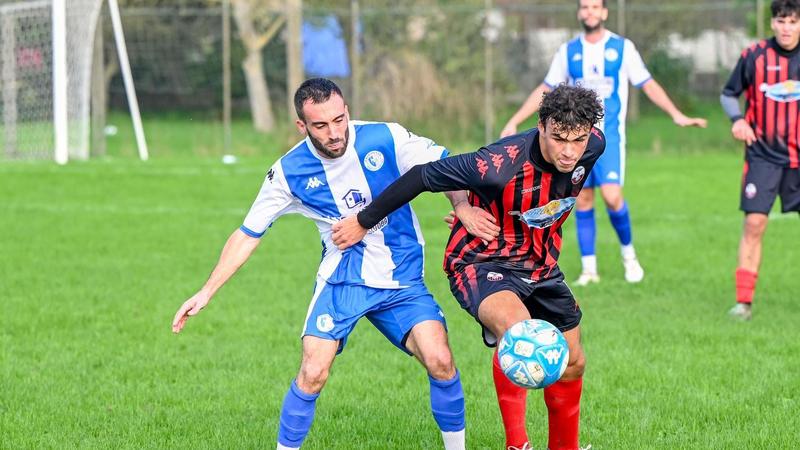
(547, 215)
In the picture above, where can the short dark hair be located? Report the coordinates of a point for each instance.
(785, 8)
(604, 4)
(318, 90)
(571, 108)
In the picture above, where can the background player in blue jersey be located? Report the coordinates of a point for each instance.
(767, 73)
(528, 182)
(604, 62)
(337, 170)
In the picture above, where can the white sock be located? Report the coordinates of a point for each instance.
(628, 252)
(454, 440)
(589, 264)
(283, 447)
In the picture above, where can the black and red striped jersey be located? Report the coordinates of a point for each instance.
(529, 198)
(769, 76)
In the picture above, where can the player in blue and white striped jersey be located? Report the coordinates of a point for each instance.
(606, 63)
(337, 170)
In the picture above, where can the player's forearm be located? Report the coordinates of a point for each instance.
(659, 97)
(530, 106)
(457, 198)
(731, 107)
(236, 251)
(402, 191)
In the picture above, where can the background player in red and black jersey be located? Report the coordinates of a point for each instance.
(768, 73)
(528, 183)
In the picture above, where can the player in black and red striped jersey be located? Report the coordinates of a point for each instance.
(768, 73)
(527, 183)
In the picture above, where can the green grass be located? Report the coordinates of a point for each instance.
(97, 256)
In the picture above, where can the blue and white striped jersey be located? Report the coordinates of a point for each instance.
(606, 67)
(326, 190)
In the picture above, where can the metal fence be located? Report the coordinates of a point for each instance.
(459, 63)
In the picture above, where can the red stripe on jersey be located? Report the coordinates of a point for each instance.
(460, 286)
(783, 74)
(509, 234)
(472, 279)
(539, 246)
(758, 97)
(769, 104)
(455, 239)
(794, 130)
(528, 179)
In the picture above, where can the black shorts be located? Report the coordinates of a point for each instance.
(549, 299)
(762, 181)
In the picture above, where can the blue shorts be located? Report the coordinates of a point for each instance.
(335, 309)
(609, 168)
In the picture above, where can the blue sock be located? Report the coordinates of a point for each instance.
(621, 221)
(297, 415)
(587, 230)
(447, 403)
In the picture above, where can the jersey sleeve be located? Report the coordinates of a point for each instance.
(634, 66)
(739, 80)
(558, 72)
(412, 150)
(474, 171)
(273, 200)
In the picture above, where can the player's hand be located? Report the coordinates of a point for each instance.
(508, 130)
(683, 121)
(478, 222)
(742, 131)
(189, 308)
(348, 232)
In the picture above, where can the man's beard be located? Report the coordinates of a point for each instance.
(588, 29)
(322, 149)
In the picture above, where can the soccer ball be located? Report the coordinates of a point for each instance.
(533, 354)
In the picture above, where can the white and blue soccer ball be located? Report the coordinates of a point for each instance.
(533, 354)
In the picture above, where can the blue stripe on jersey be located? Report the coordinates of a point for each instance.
(613, 105)
(575, 59)
(307, 181)
(399, 233)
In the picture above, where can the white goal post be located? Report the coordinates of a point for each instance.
(45, 72)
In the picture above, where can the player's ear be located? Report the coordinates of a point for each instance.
(301, 126)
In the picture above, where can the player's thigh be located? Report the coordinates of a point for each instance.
(501, 310)
(790, 190)
(760, 185)
(585, 199)
(318, 356)
(402, 310)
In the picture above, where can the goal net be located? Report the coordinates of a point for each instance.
(32, 34)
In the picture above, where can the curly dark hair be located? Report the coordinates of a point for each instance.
(785, 8)
(571, 108)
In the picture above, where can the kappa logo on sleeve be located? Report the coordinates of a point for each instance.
(497, 161)
(512, 151)
(482, 166)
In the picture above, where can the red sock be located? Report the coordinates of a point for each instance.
(745, 285)
(512, 400)
(563, 400)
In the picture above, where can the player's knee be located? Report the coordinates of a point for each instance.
(576, 366)
(312, 377)
(755, 225)
(440, 364)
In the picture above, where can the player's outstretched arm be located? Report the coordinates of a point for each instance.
(659, 96)
(236, 251)
(527, 109)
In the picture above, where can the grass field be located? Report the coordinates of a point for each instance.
(97, 256)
